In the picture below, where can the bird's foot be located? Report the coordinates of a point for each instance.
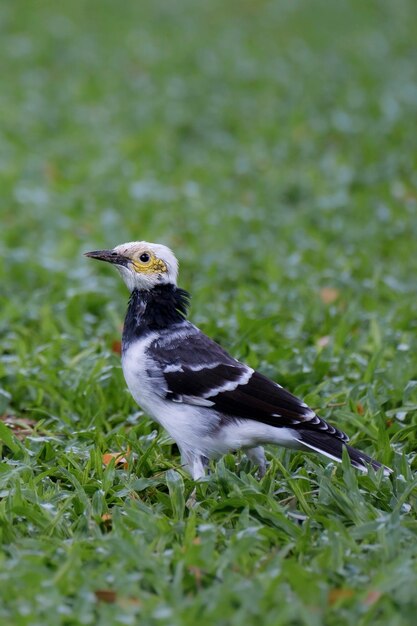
(257, 457)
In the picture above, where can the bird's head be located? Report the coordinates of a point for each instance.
(142, 265)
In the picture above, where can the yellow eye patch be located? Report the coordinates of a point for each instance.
(152, 266)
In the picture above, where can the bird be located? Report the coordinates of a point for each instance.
(209, 402)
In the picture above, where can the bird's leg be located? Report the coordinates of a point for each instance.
(194, 463)
(257, 456)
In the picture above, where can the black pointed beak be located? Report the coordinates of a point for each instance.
(108, 255)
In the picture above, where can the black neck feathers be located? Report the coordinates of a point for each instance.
(154, 309)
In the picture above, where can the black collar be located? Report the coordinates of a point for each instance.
(154, 309)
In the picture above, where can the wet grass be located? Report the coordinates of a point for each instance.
(272, 145)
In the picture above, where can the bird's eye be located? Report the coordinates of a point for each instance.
(144, 257)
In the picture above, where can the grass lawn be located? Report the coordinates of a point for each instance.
(272, 145)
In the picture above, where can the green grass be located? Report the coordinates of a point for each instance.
(272, 145)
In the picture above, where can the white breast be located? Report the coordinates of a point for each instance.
(136, 368)
(184, 422)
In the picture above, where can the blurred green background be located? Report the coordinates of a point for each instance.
(240, 129)
(272, 145)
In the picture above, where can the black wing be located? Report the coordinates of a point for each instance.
(196, 370)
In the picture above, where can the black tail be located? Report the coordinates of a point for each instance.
(332, 447)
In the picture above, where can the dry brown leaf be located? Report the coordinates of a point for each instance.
(116, 346)
(106, 521)
(339, 595)
(196, 572)
(372, 597)
(329, 295)
(119, 459)
(127, 602)
(106, 595)
(22, 427)
(322, 342)
(51, 171)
